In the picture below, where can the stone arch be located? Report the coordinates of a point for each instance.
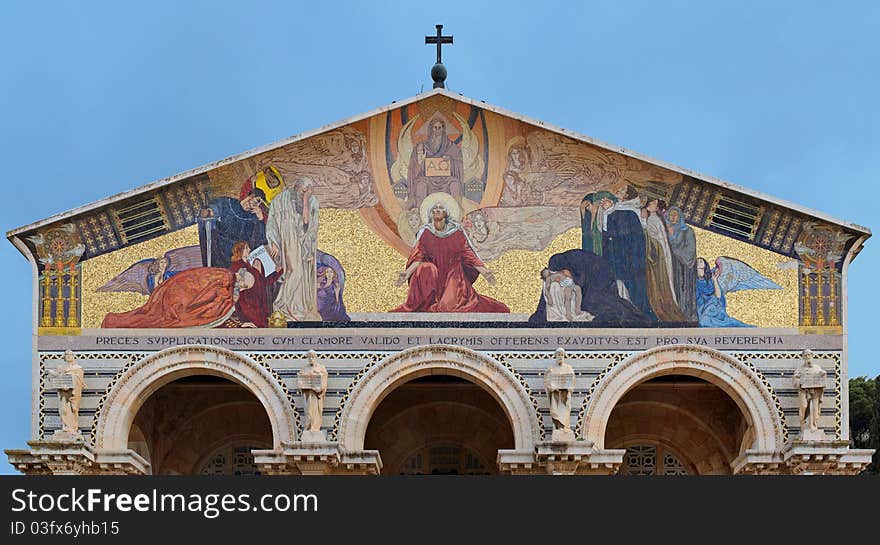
(140, 381)
(732, 376)
(696, 445)
(420, 361)
(488, 430)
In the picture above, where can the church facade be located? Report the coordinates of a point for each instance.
(439, 286)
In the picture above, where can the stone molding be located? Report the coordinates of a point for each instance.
(805, 458)
(420, 361)
(140, 381)
(561, 458)
(76, 458)
(323, 458)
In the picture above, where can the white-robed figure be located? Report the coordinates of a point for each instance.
(292, 233)
(559, 383)
(312, 382)
(71, 380)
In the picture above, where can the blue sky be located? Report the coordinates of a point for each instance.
(100, 97)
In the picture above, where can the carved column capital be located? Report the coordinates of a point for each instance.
(317, 458)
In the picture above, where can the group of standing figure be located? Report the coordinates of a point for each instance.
(306, 285)
(260, 265)
(651, 250)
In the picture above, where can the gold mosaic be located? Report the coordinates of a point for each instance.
(370, 264)
(99, 270)
(762, 308)
(524, 179)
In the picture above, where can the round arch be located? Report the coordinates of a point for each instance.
(729, 374)
(420, 361)
(139, 382)
(699, 448)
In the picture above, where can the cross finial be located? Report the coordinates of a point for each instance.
(438, 71)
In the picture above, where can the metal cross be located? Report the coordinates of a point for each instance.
(439, 39)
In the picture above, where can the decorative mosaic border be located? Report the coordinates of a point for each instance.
(617, 359)
(45, 357)
(743, 357)
(261, 357)
(834, 356)
(375, 358)
(133, 358)
(502, 357)
(41, 425)
(838, 398)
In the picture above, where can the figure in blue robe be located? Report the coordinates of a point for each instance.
(623, 245)
(712, 309)
(728, 275)
(231, 221)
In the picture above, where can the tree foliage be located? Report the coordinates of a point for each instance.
(864, 416)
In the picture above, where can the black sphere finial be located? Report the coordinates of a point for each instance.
(438, 74)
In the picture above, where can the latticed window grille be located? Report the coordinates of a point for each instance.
(231, 461)
(735, 216)
(444, 460)
(651, 460)
(671, 465)
(640, 460)
(140, 219)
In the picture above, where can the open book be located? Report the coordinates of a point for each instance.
(262, 255)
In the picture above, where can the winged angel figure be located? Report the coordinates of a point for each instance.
(436, 163)
(728, 275)
(144, 275)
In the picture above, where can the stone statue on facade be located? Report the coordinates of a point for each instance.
(559, 383)
(809, 379)
(312, 382)
(68, 380)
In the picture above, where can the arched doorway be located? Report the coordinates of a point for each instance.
(201, 424)
(756, 422)
(479, 393)
(677, 425)
(439, 425)
(135, 386)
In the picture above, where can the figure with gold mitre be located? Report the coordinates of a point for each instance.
(443, 264)
(269, 180)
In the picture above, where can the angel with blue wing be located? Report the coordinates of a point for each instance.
(728, 275)
(145, 275)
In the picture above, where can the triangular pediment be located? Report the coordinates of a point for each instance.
(521, 190)
(568, 164)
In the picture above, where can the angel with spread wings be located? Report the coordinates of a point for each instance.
(728, 275)
(145, 275)
(437, 163)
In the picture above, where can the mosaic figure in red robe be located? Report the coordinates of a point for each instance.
(443, 266)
